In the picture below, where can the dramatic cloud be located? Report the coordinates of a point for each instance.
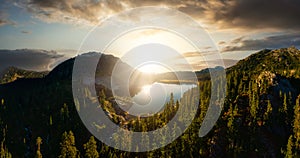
(38, 60)
(250, 14)
(233, 17)
(72, 11)
(271, 42)
(259, 14)
(93, 11)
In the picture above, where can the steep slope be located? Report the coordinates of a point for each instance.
(261, 95)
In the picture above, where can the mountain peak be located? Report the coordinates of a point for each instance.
(293, 49)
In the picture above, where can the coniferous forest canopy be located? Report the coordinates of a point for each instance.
(260, 117)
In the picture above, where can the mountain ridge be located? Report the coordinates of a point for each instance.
(12, 73)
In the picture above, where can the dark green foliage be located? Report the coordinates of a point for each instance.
(4, 153)
(67, 146)
(38, 144)
(260, 117)
(91, 148)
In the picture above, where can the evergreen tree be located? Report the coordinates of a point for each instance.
(297, 125)
(172, 99)
(91, 148)
(67, 146)
(289, 148)
(38, 151)
(4, 153)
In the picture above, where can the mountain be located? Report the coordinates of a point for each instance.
(262, 96)
(257, 120)
(278, 70)
(186, 76)
(12, 73)
(283, 62)
(37, 103)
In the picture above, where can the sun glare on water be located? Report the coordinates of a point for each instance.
(146, 89)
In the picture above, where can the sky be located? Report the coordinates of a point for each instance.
(49, 31)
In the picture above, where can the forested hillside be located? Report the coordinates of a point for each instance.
(260, 118)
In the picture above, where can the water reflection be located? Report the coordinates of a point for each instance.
(152, 98)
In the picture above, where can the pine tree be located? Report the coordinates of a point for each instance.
(172, 99)
(38, 151)
(4, 153)
(254, 101)
(102, 97)
(67, 146)
(50, 120)
(91, 148)
(268, 112)
(102, 94)
(289, 148)
(297, 125)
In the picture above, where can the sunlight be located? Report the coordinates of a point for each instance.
(153, 69)
(140, 37)
(146, 89)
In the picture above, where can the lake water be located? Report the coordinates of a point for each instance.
(152, 98)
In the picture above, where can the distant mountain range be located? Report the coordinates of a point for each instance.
(103, 73)
(11, 74)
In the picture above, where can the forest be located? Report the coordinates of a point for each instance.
(260, 116)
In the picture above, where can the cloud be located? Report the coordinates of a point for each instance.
(26, 32)
(4, 19)
(3, 22)
(271, 42)
(221, 43)
(248, 14)
(93, 11)
(191, 54)
(232, 14)
(237, 40)
(29, 59)
(227, 62)
(257, 14)
(205, 52)
(204, 64)
(195, 66)
(71, 11)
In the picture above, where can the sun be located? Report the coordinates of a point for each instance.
(152, 69)
(147, 89)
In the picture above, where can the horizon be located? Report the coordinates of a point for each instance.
(56, 63)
